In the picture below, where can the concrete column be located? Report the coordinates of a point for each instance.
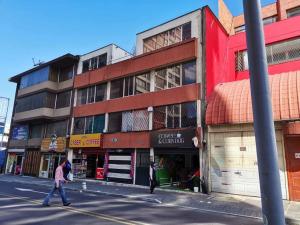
(106, 123)
(108, 90)
(151, 154)
(134, 173)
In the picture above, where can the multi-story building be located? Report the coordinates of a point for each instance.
(41, 115)
(143, 108)
(231, 143)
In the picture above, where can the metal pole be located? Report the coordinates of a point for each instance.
(270, 188)
(4, 119)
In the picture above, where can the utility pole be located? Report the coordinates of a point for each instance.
(270, 188)
(4, 117)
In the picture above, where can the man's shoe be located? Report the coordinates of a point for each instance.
(67, 204)
(45, 205)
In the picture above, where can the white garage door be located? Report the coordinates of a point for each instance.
(234, 163)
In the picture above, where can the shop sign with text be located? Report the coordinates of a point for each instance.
(173, 138)
(51, 145)
(85, 140)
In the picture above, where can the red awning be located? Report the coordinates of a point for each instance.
(230, 103)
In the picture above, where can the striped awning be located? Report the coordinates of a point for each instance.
(230, 103)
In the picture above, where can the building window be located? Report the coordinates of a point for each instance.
(268, 20)
(91, 94)
(281, 52)
(94, 63)
(239, 29)
(79, 124)
(36, 131)
(293, 12)
(82, 96)
(89, 125)
(100, 92)
(175, 76)
(36, 101)
(128, 86)
(59, 128)
(63, 99)
(116, 88)
(186, 31)
(189, 73)
(137, 120)
(142, 83)
(115, 122)
(99, 123)
(175, 116)
(66, 73)
(169, 37)
(35, 77)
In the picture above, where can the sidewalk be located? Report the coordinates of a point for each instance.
(221, 203)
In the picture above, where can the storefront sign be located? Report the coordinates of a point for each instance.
(297, 155)
(57, 144)
(85, 140)
(173, 138)
(20, 133)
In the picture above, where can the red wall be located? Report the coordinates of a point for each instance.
(221, 48)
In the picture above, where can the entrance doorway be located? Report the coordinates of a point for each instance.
(293, 166)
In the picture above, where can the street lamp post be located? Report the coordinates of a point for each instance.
(270, 188)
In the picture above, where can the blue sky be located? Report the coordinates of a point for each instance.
(47, 29)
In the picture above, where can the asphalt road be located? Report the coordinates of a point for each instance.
(21, 204)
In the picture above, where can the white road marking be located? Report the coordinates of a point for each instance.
(30, 190)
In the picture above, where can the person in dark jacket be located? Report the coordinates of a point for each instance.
(152, 177)
(66, 169)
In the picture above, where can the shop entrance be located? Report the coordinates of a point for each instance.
(85, 164)
(175, 167)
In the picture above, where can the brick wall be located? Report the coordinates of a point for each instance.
(278, 8)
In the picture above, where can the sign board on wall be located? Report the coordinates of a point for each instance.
(173, 138)
(48, 146)
(20, 133)
(85, 140)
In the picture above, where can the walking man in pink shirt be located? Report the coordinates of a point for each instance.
(59, 181)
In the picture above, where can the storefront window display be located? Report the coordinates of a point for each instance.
(176, 167)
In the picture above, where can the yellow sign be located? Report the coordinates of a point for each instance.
(85, 140)
(59, 146)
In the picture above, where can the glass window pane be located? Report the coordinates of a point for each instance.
(81, 96)
(173, 115)
(63, 99)
(99, 123)
(293, 12)
(186, 31)
(115, 122)
(35, 77)
(174, 76)
(36, 131)
(269, 20)
(160, 79)
(102, 60)
(127, 121)
(161, 40)
(128, 86)
(85, 66)
(189, 114)
(79, 125)
(116, 90)
(159, 117)
(150, 44)
(100, 92)
(140, 120)
(59, 128)
(189, 73)
(66, 73)
(142, 83)
(91, 94)
(175, 35)
(89, 124)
